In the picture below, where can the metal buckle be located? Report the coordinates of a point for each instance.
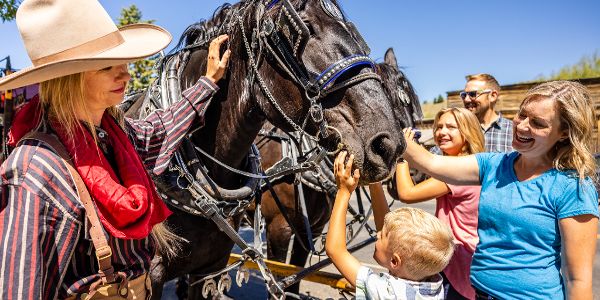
(268, 26)
(316, 113)
(103, 253)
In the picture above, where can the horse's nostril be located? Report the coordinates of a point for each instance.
(382, 145)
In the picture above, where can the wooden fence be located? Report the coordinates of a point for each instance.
(511, 97)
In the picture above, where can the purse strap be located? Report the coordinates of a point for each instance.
(103, 250)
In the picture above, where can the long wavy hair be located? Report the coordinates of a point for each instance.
(468, 126)
(574, 105)
(61, 98)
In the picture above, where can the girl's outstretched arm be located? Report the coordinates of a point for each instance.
(378, 203)
(408, 192)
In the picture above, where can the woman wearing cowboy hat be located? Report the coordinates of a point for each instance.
(76, 182)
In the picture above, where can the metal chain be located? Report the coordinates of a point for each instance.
(263, 85)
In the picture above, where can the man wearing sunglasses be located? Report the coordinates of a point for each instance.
(480, 96)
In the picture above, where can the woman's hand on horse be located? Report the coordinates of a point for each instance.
(216, 65)
(345, 178)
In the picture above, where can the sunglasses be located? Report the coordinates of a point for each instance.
(473, 94)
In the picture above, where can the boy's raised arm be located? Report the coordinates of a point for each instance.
(335, 243)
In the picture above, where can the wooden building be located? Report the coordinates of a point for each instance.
(511, 97)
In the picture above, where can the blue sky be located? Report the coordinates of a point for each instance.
(438, 42)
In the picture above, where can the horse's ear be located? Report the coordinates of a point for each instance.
(390, 58)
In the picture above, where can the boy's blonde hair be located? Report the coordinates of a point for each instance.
(574, 104)
(469, 128)
(424, 244)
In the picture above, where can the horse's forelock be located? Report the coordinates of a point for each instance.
(388, 76)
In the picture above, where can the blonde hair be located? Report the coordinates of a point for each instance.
(468, 126)
(574, 104)
(422, 241)
(491, 82)
(61, 98)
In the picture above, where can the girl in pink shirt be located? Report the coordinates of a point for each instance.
(456, 132)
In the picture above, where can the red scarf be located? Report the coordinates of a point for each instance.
(128, 210)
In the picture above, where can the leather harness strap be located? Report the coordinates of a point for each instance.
(103, 250)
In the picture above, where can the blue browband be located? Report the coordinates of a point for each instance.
(337, 69)
(273, 2)
(318, 83)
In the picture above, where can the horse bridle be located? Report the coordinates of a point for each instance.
(285, 38)
(316, 86)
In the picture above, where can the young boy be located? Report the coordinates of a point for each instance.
(413, 245)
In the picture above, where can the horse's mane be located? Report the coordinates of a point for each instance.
(204, 31)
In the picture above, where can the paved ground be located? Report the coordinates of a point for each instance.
(255, 289)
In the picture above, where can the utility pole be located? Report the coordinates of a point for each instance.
(8, 67)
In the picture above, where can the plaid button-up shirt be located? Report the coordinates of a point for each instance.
(45, 249)
(499, 136)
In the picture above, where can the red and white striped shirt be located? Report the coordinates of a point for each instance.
(45, 248)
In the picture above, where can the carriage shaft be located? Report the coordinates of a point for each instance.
(281, 269)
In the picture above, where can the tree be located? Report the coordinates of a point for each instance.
(142, 72)
(8, 9)
(438, 99)
(587, 67)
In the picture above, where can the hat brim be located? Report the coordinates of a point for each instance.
(140, 41)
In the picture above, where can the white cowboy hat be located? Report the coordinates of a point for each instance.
(64, 37)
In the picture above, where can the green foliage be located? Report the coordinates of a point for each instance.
(438, 99)
(587, 67)
(8, 9)
(142, 72)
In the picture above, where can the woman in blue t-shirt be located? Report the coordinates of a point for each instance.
(538, 204)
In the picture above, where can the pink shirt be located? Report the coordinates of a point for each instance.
(458, 209)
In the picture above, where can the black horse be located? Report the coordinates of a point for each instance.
(298, 64)
(318, 196)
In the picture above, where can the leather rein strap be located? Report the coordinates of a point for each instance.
(103, 250)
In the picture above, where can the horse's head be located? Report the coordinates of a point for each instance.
(400, 91)
(317, 65)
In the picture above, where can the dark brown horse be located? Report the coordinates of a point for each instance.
(292, 62)
(318, 202)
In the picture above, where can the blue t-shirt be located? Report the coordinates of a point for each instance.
(518, 255)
